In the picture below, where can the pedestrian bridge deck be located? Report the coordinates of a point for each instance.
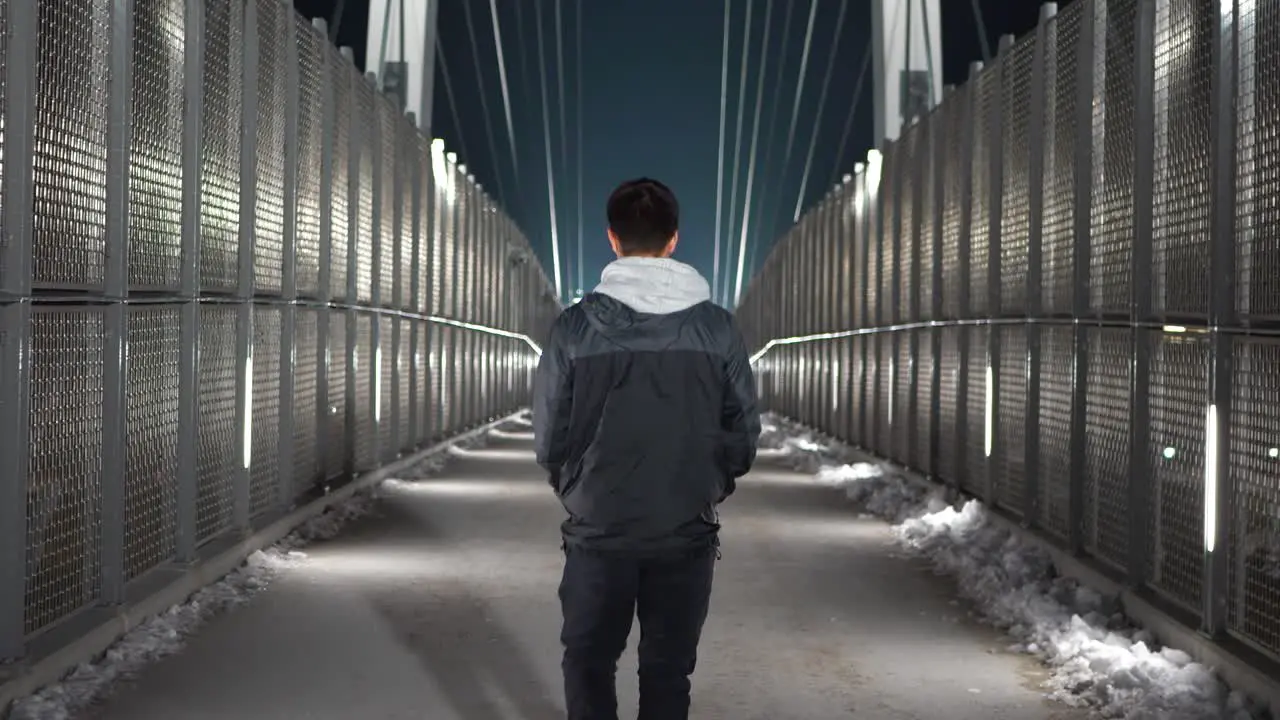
(442, 604)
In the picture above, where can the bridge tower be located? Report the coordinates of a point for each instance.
(906, 51)
(401, 50)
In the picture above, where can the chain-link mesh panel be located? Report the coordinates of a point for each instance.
(268, 217)
(1057, 233)
(151, 434)
(366, 364)
(1257, 201)
(400, 393)
(930, 166)
(311, 94)
(64, 495)
(388, 240)
(442, 237)
(69, 158)
(887, 373)
(427, 214)
(921, 455)
(454, 282)
(1015, 156)
(383, 387)
(447, 380)
(1054, 378)
(1111, 231)
(950, 156)
(1254, 595)
(904, 395)
(976, 401)
(909, 181)
(340, 78)
(407, 167)
(890, 185)
(1179, 381)
(986, 106)
(4, 112)
(420, 363)
(950, 453)
(1010, 442)
(220, 146)
(218, 459)
(1180, 237)
(336, 444)
(155, 153)
(1108, 405)
(265, 458)
(362, 114)
(306, 340)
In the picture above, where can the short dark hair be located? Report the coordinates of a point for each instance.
(643, 215)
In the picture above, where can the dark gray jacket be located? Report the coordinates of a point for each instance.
(645, 410)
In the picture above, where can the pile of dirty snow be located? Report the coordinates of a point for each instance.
(1098, 658)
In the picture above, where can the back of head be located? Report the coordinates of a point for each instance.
(644, 218)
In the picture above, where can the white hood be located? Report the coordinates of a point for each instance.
(657, 286)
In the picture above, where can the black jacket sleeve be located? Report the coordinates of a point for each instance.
(552, 403)
(740, 418)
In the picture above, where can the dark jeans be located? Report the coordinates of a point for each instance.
(599, 596)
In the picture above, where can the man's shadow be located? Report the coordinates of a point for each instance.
(482, 671)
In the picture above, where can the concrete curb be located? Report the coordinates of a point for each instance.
(52, 667)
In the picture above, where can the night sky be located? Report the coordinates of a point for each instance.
(650, 95)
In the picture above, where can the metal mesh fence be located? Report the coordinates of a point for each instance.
(1105, 364)
(221, 275)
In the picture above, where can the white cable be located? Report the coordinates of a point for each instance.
(751, 164)
(564, 142)
(836, 170)
(737, 142)
(769, 209)
(506, 92)
(581, 286)
(804, 69)
(484, 103)
(551, 181)
(822, 102)
(724, 98)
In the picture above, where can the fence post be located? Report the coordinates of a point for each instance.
(1082, 177)
(995, 191)
(1219, 483)
(964, 302)
(412, 301)
(15, 319)
(938, 170)
(285, 468)
(325, 276)
(116, 291)
(241, 510)
(1140, 424)
(1038, 101)
(373, 125)
(350, 317)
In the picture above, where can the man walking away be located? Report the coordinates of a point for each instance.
(644, 416)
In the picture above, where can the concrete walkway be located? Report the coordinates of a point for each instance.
(443, 606)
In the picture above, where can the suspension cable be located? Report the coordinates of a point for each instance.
(581, 285)
(448, 90)
(848, 120)
(523, 51)
(804, 69)
(484, 105)
(506, 91)
(755, 139)
(551, 181)
(765, 176)
(737, 144)
(982, 33)
(822, 102)
(724, 97)
(564, 142)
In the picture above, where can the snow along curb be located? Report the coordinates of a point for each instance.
(56, 665)
(932, 527)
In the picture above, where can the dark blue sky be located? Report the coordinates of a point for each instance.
(651, 104)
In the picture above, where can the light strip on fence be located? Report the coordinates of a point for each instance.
(1174, 329)
(798, 339)
(989, 413)
(835, 385)
(377, 384)
(892, 390)
(874, 163)
(1211, 479)
(488, 330)
(248, 408)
